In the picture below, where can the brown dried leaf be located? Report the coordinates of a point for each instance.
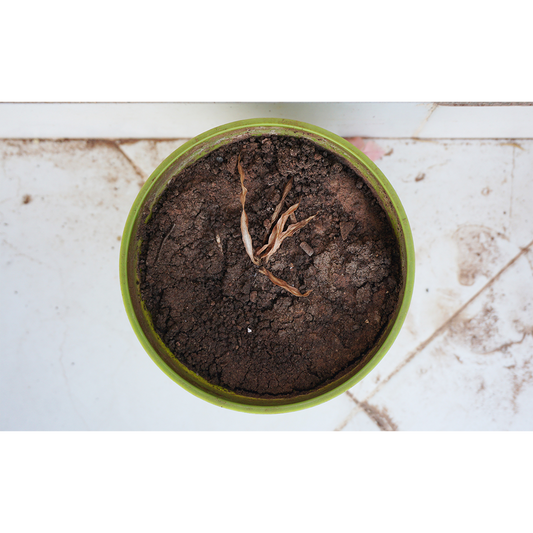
(284, 284)
(291, 230)
(273, 242)
(274, 216)
(286, 191)
(246, 238)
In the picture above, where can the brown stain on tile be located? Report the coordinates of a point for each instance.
(514, 144)
(380, 417)
(71, 148)
(447, 324)
(478, 332)
(521, 371)
(478, 249)
(115, 146)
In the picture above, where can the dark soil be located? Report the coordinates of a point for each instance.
(229, 323)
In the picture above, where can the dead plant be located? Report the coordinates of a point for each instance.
(277, 235)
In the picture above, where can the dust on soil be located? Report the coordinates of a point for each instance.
(231, 324)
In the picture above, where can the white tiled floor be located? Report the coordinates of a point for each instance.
(71, 361)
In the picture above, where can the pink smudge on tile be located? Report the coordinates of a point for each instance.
(357, 142)
(370, 148)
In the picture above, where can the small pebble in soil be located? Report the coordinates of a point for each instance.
(220, 159)
(248, 330)
(307, 249)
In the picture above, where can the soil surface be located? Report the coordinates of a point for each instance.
(228, 322)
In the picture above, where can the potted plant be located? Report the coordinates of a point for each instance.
(267, 265)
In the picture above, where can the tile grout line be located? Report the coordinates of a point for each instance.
(424, 121)
(432, 337)
(512, 184)
(444, 326)
(381, 419)
(137, 170)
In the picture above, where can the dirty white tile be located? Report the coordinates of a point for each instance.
(177, 120)
(479, 122)
(520, 213)
(478, 374)
(366, 417)
(358, 420)
(458, 197)
(70, 359)
(147, 155)
(61, 319)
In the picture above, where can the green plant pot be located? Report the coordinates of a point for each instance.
(186, 155)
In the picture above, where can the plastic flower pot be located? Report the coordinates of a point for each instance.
(186, 155)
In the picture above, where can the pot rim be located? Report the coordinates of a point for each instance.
(193, 150)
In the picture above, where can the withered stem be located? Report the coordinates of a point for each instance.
(284, 284)
(277, 235)
(246, 238)
(277, 211)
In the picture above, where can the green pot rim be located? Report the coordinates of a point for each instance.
(196, 148)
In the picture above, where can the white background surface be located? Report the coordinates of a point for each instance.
(70, 360)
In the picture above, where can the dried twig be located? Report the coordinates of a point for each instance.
(278, 229)
(280, 237)
(276, 237)
(283, 284)
(277, 211)
(246, 238)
